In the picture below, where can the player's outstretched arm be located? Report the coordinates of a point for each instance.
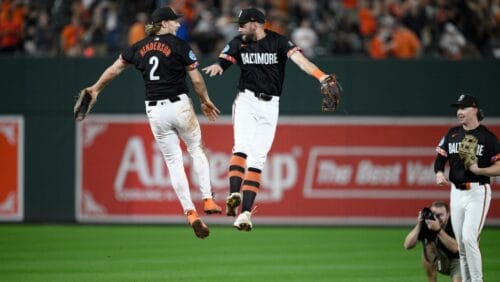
(207, 107)
(307, 66)
(107, 76)
(213, 70)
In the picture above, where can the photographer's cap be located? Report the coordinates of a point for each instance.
(251, 15)
(466, 100)
(165, 14)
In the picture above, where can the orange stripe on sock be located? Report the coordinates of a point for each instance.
(239, 161)
(236, 173)
(250, 188)
(253, 176)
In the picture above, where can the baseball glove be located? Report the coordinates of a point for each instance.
(467, 150)
(83, 105)
(330, 90)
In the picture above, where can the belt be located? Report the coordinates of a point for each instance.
(263, 96)
(172, 99)
(259, 95)
(467, 185)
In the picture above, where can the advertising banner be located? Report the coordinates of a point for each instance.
(11, 168)
(320, 171)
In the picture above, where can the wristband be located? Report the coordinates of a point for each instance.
(318, 74)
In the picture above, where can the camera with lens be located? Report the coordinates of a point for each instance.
(425, 233)
(427, 213)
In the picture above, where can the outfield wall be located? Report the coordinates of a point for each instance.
(40, 92)
(366, 171)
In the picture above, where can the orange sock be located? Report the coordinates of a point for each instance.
(250, 188)
(237, 166)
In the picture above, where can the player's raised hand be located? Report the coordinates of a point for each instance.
(213, 70)
(210, 110)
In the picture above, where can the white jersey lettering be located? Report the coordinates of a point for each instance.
(259, 58)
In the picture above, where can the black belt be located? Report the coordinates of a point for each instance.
(172, 99)
(263, 96)
(466, 185)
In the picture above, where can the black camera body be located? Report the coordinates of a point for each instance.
(425, 233)
(427, 213)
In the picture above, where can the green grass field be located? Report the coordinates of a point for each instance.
(173, 253)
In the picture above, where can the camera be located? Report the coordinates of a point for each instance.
(425, 233)
(427, 213)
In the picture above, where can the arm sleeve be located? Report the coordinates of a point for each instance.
(188, 57)
(128, 55)
(288, 47)
(439, 163)
(442, 156)
(228, 55)
(496, 151)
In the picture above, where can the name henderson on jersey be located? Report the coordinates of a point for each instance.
(259, 58)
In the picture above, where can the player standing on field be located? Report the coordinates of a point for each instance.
(261, 55)
(470, 187)
(164, 60)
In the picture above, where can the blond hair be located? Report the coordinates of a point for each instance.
(152, 28)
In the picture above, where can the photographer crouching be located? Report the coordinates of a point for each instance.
(440, 249)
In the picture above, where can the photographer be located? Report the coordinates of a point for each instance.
(440, 249)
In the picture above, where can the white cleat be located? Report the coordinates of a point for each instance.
(232, 203)
(243, 222)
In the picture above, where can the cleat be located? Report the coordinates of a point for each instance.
(210, 207)
(232, 203)
(243, 222)
(200, 229)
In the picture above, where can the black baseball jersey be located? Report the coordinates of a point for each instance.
(163, 61)
(488, 150)
(262, 62)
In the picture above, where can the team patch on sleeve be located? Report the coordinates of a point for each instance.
(192, 56)
(227, 57)
(192, 66)
(293, 50)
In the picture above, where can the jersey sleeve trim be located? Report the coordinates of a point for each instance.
(495, 158)
(228, 57)
(192, 66)
(442, 152)
(293, 50)
(123, 60)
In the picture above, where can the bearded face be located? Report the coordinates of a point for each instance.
(248, 30)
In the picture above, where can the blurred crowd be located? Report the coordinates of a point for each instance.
(449, 29)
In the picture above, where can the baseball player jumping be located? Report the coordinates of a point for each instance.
(164, 61)
(261, 55)
(470, 184)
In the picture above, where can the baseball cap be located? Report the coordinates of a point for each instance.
(466, 100)
(251, 15)
(165, 14)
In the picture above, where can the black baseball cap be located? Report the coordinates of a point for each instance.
(164, 14)
(466, 100)
(251, 15)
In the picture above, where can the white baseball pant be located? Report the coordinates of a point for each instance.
(169, 121)
(254, 122)
(468, 213)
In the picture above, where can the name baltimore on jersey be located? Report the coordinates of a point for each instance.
(453, 148)
(259, 58)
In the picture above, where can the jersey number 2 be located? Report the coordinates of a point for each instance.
(153, 61)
